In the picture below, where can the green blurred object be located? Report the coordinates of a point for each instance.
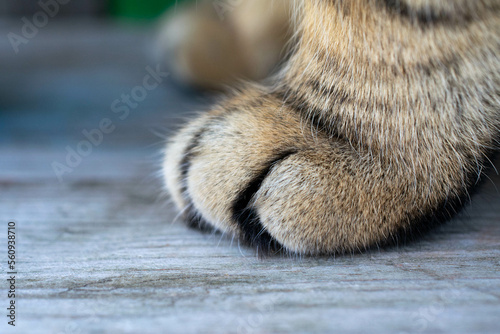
(141, 9)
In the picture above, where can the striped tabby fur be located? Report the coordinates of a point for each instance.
(378, 126)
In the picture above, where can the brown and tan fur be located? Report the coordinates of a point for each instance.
(214, 44)
(379, 125)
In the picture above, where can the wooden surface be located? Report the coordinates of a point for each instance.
(103, 252)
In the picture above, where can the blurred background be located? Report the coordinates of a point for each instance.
(136, 9)
(62, 66)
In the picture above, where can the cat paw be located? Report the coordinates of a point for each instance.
(254, 169)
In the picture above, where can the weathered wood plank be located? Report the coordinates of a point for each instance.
(106, 255)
